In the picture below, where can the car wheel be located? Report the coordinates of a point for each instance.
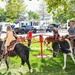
(22, 32)
(46, 30)
(17, 32)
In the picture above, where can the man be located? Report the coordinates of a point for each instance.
(71, 31)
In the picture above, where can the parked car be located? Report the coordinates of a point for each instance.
(17, 30)
(51, 27)
(25, 29)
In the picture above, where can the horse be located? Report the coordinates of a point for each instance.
(21, 50)
(20, 39)
(47, 40)
(51, 39)
(66, 47)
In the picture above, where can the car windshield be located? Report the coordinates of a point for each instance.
(28, 27)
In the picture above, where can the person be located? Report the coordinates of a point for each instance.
(71, 31)
(29, 37)
(9, 38)
(13, 31)
(55, 33)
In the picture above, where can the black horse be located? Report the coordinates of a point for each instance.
(21, 50)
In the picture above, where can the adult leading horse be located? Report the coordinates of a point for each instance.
(21, 50)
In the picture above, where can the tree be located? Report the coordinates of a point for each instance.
(68, 7)
(32, 15)
(59, 16)
(44, 15)
(14, 8)
(2, 14)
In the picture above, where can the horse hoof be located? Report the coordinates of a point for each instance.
(31, 70)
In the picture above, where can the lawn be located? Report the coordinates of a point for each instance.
(40, 66)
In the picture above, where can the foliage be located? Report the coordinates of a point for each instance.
(60, 16)
(13, 9)
(32, 15)
(2, 14)
(67, 6)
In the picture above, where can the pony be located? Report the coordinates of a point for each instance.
(21, 50)
(66, 47)
(50, 39)
(47, 40)
(20, 39)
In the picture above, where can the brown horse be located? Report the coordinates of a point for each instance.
(51, 39)
(48, 40)
(21, 39)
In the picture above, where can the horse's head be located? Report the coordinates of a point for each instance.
(56, 48)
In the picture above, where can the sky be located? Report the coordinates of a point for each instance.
(2, 4)
(31, 5)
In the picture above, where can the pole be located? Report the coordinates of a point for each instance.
(41, 40)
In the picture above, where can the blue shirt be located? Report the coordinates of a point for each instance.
(71, 31)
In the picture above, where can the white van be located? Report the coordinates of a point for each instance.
(35, 24)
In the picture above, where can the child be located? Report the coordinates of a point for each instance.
(56, 34)
(9, 38)
(29, 37)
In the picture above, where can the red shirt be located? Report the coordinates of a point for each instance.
(29, 35)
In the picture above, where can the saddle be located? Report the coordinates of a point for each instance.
(10, 47)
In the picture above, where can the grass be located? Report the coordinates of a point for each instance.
(40, 66)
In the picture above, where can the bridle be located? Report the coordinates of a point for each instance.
(58, 49)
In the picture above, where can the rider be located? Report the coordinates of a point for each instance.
(9, 38)
(56, 34)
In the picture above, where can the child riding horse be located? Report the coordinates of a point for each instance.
(9, 38)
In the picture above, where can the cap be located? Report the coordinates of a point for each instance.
(72, 21)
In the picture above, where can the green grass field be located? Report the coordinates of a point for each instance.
(40, 66)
